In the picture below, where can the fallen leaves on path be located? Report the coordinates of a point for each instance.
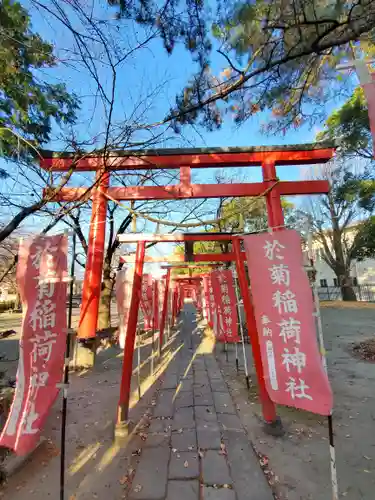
(365, 350)
(340, 304)
(223, 450)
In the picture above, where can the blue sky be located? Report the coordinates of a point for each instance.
(144, 72)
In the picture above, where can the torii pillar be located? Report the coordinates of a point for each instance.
(85, 354)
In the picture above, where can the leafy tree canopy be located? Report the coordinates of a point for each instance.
(28, 104)
(349, 125)
(249, 214)
(337, 221)
(275, 55)
(356, 188)
(365, 240)
(236, 215)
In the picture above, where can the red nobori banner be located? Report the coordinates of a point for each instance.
(162, 285)
(41, 278)
(212, 312)
(284, 312)
(206, 298)
(225, 298)
(198, 293)
(147, 297)
(124, 286)
(156, 307)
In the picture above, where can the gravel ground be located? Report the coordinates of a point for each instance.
(298, 463)
(9, 346)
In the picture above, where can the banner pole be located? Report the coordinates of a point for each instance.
(152, 350)
(237, 365)
(332, 451)
(66, 371)
(242, 336)
(169, 313)
(318, 317)
(139, 364)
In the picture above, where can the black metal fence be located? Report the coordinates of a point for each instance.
(7, 305)
(364, 293)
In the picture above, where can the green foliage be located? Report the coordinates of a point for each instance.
(364, 247)
(249, 214)
(28, 105)
(355, 189)
(336, 222)
(367, 193)
(236, 215)
(199, 247)
(349, 126)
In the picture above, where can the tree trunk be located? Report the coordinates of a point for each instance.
(347, 290)
(18, 304)
(104, 319)
(348, 294)
(341, 267)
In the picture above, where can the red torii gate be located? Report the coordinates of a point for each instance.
(189, 279)
(181, 280)
(272, 421)
(183, 159)
(266, 157)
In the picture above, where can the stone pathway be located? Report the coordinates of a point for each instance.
(188, 443)
(196, 448)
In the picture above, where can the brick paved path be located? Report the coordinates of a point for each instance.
(196, 447)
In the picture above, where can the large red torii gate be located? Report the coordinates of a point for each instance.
(183, 159)
(266, 157)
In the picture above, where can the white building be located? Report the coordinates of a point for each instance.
(362, 273)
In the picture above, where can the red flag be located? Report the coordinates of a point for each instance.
(41, 278)
(124, 286)
(205, 298)
(210, 299)
(198, 296)
(225, 299)
(162, 285)
(156, 307)
(284, 313)
(146, 300)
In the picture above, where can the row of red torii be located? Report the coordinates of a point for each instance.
(183, 159)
